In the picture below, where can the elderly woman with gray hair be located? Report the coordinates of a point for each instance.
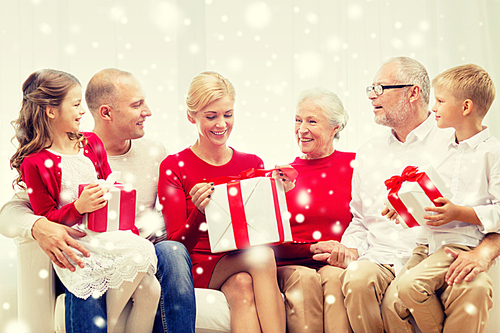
(319, 207)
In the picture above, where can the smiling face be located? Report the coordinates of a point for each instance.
(214, 122)
(448, 109)
(392, 108)
(130, 109)
(313, 131)
(68, 115)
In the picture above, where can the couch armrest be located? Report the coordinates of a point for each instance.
(36, 286)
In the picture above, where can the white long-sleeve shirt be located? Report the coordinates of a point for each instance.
(375, 237)
(471, 170)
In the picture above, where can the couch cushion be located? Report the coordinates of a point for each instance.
(212, 313)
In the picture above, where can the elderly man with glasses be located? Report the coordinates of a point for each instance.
(400, 98)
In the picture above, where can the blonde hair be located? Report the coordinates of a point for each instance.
(328, 102)
(468, 82)
(206, 88)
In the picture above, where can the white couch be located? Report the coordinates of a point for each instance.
(41, 312)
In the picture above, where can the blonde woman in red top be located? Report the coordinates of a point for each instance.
(247, 277)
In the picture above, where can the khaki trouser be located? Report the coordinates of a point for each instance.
(436, 306)
(313, 299)
(363, 285)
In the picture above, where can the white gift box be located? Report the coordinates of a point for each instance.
(412, 199)
(247, 213)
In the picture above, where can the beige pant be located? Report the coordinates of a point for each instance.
(313, 299)
(436, 306)
(363, 285)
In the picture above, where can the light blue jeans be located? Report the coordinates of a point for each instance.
(176, 310)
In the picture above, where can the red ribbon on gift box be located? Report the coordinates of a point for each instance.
(252, 173)
(410, 174)
(236, 206)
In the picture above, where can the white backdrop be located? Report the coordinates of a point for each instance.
(270, 50)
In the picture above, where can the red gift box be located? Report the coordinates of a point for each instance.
(412, 191)
(118, 214)
(247, 211)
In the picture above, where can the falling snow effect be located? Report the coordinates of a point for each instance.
(413, 33)
(258, 15)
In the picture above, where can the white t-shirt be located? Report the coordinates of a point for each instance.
(139, 167)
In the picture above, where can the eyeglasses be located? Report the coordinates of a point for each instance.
(379, 89)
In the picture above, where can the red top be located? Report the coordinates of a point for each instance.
(41, 173)
(178, 174)
(319, 206)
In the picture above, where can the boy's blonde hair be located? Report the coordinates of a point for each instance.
(468, 82)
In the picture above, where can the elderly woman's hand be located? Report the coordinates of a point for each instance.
(334, 253)
(200, 195)
(281, 175)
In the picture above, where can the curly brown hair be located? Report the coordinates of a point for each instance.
(43, 88)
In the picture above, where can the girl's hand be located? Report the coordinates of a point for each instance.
(281, 175)
(390, 214)
(200, 195)
(91, 199)
(445, 214)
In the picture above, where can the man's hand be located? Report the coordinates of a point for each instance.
(390, 214)
(54, 239)
(323, 247)
(467, 265)
(336, 254)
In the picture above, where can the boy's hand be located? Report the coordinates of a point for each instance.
(445, 214)
(390, 214)
(91, 199)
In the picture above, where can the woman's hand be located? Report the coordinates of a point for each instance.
(390, 214)
(200, 195)
(281, 175)
(91, 199)
(333, 252)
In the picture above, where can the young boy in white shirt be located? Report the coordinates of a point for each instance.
(472, 171)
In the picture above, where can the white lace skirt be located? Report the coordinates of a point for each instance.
(115, 257)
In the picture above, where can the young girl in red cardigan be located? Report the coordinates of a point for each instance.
(52, 159)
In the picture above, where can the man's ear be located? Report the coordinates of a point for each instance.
(190, 117)
(414, 93)
(467, 107)
(105, 112)
(50, 111)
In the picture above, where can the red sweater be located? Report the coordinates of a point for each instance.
(319, 206)
(41, 173)
(178, 174)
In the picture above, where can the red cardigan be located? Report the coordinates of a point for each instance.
(319, 206)
(41, 173)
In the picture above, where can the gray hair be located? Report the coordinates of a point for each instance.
(328, 102)
(411, 71)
